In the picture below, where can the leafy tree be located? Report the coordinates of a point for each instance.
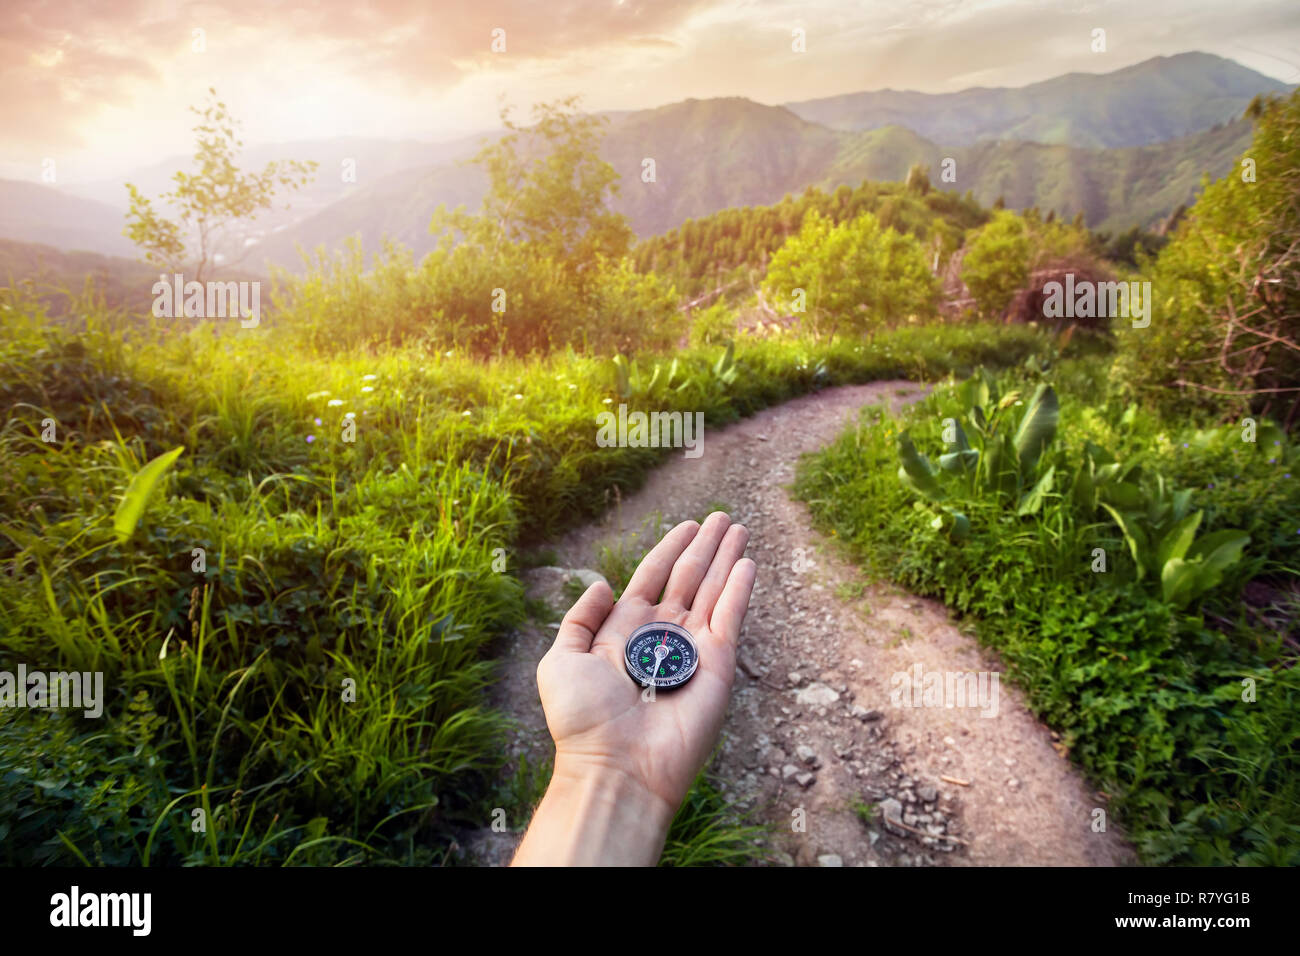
(918, 179)
(1224, 336)
(548, 190)
(996, 266)
(855, 276)
(544, 261)
(209, 202)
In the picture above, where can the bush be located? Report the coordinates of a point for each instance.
(853, 277)
(996, 266)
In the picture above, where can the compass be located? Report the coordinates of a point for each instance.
(661, 654)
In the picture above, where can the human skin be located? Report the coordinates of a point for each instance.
(624, 760)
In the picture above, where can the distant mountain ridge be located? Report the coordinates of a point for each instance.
(1150, 102)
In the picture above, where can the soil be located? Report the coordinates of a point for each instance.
(813, 741)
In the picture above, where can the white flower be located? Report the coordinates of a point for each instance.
(334, 402)
(609, 401)
(369, 378)
(465, 413)
(571, 385)
(367, 388)
(519, 397)
(349, 414)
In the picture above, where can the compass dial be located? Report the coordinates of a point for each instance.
(661, 654)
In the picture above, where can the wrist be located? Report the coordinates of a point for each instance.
(595, 813)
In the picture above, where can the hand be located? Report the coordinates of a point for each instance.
(623, 761)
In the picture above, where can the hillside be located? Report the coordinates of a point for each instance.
(1159, 99)
(32, 212)
(719, 154)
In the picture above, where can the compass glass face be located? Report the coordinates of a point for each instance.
(661, 654)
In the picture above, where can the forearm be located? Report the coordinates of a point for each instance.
(594, 815)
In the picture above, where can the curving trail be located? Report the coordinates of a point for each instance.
(811, 730)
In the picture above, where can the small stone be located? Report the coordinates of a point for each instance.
(927, 794)
(891, 811)
(816, 694)
(789, 771)
(588, 577)
(795, 678)
(829, 859)
(806, 754)
(804, 779)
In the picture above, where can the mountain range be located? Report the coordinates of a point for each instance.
(1124, 148)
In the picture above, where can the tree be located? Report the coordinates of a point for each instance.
(208, 202)
(918, 179)
(545, 261)
(996, 266)
(548, 190)
(1224, 333)
(854, 277)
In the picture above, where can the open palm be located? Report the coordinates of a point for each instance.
(596, 712)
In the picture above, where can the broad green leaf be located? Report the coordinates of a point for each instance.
(137, 494)
(1220, 550)
(1031, 502)
(1178, 539)
(1133, 535)
(1180, 581)
(916, 469)
(1121, 494)
(1038, 427)
(959, 460)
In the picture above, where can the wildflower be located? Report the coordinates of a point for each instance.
(465, 413)
(367, 388)
(316, 420)
(518, 397)
(334, 402)
(349, 414)
(369, 378)
(310, 439)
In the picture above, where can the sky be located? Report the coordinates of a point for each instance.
(101, 88)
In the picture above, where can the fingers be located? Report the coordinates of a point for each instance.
(652, 574)
(731, 550)
(579, 627)
(694, 562)
(729, 613)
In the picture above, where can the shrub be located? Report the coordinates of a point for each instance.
(855, 277)
(996, 264)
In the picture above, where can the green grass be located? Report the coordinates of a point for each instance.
(1147, 696)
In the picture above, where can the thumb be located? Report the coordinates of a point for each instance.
(579, 627)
